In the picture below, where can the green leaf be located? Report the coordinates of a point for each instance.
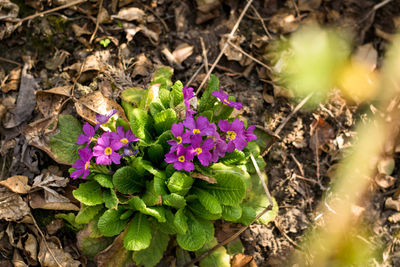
(208, 201)
(126, 215)
(104, 180)
(150, 197)
(252, 148)
(234, 247)
(180, 183)
(208, 228)
(133, 95)
(165, 97)
(176, 93)
(150, 256)
(147, 166)
(218, 258)
(70, 218)
(91, 246)
(141, 124)
(231, 213)
(138, 235)
(163, 138)
(195, 236)
(63, 145)
(180, 221)
(260, 162)
(87, 213)
(263, 139)
(270, 215)
(155, 108)
(233, 158)
(156, 153)
(222, 112)
(128, 108)
(200, 211)
(127, 181)
(164, 120)
(89, 193)
(138, 204)
(150, 96)
(110, 223)
(207, 101)
(248, 215)
(163, 76)
(110, 199)
(168, 227)
(229, 189)
(174, 200)
(160, 186)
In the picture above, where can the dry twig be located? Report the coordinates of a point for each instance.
(97, 22)
(10, 61)
(204, 50)
(250, 56)
(225, 45)
(262, 22)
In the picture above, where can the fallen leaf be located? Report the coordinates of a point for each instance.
(321, 133)
(130, 14)
(8, 11)
(79, 31)
(17, 184)
(115, 254)
(203, 177)
(393, 204)
(51, 202)
(283, 22)
(95, 103)
(26, 101)
(57, 60)
(54, 226)
(182, 52)
(49, 102)
(367, 54)
(242, 260)
(46, 258)
(386, 165)
(17, 259)
(31, 246)
(12, 207)
(309, 5)
(230, 52)
(11, 81)
(384, 181)
(142, 66)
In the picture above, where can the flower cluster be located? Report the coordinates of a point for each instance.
(108, 148)
(198, 138)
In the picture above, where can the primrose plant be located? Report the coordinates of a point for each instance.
(167, 171)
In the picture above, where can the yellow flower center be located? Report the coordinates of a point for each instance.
(226, 101)
(87, 165)
(181, 159)
(196, 131)
(179, 140)
(124, 141)
(108, 151)
(232, 135)
(198, 150)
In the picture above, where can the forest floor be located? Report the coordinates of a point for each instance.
(122, 50)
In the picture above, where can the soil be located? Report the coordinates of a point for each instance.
(299, 175)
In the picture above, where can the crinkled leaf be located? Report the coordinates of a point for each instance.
(270, 215)
(150, 256)
(165, 97)
(233, 158)
(200, 211)
(174, 200)
(195, 236)
(141, 124)
(252, 148)
(127, 181)
(150, 96)
(168, 227)
(229, 189)
(164, 120)
(89, 193)
(87, 213)
(218, 258)
(138, 235)
(104, 180)
(160, 186)
(222, 111)
(150, 197)
(110, 199)
(156, 153)
(138, 204)
(176, 93)
(63, 145)
(207, 101)
(208, 228)
(148, 166)
(260, 162)
(248, 215)
(163, 138)
(180, 183)
(163, 76)
(156, 107)
(234, 247)
(133, 95)
(110, 223)
(208, 201)
(231, 213)
(180, 221)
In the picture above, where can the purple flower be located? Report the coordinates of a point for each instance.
(224, 99)
(106, 148)
(203, 150)
(82, 164)
(88, 136)
(201, 126)
(187, 95)
(182, 159)
(235, 134)
(220, 147)
(249, 135)
(101, 119)
(125, 137)
(177, 130)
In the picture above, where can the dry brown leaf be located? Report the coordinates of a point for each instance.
(384, 181)
(79, 31)
(130, 14)
(321, 133)
(230, 52)
(283, 22)
(53, 202)
(115, 254)
(31, 246)
(57, 60)
(49, 102)
(12, 81)
(12, 207)
(17, 259)
(182, 52)
(203, 177)
(143, 66)
(309, 5)
(46, 258)
(8, 10)
(393, 204)
(103, 16)
(17, 184)
(95, 103)
(366, 54)
(242, 260)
